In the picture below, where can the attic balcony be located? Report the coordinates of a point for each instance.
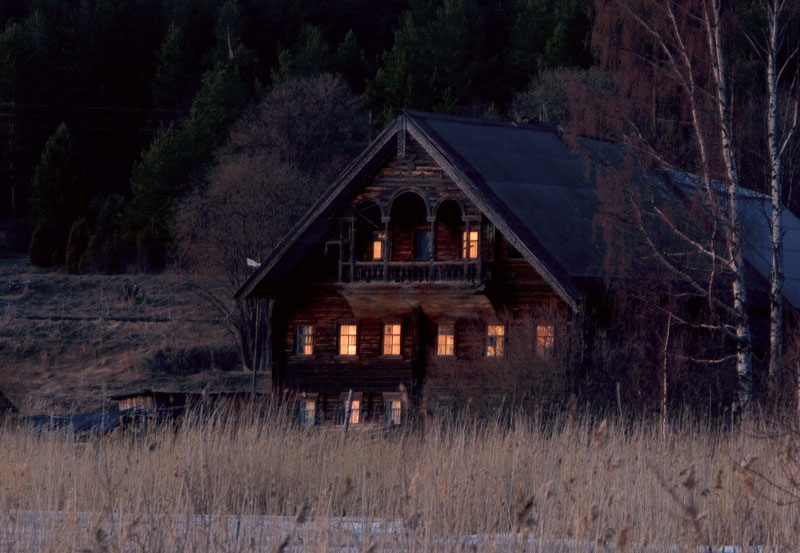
(460, 272)
(412, 244)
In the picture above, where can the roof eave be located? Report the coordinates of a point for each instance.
(351, 173)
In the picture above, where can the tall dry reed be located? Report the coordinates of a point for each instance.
(608, 483)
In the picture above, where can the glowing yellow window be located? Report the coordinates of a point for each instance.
(446, 339)
(469, 244)
(394, 411)
(355, 411)
(391, 339)
(348, 339)
(304, 342)
(378, 239)
(495, 340)
(545, 338)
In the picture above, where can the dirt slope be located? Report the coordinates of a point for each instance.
(67, 342)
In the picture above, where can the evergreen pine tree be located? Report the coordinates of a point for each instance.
(175, 78)
(59, 193)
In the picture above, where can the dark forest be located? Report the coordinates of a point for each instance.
(113, 113)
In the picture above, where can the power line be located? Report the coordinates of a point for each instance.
(85, 107)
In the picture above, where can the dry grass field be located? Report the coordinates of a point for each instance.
(257, 482)
(578, 486)
(69, 341)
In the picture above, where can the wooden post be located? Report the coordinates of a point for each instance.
(348, 405)
(432, 246)
(465, 248)
(352, 241)
(256, 349)
(387, 244)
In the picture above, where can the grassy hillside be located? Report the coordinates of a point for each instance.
(67, 341)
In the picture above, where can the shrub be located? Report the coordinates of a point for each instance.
(192, 360)
(40, 250)
(77, 243)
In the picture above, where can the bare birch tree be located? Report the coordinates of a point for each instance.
(782, 122)
(685, 45)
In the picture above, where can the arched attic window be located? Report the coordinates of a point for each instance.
(411, 236)
(449, 228)
(370, 232)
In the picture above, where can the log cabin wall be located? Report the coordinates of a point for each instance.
(509, 293)
(325, 370)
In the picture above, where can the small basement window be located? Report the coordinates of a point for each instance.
(304, 340)
(446, 339)
(545, 339)
(348, 339)
(355, 411)
(495, 340)
(308, 412)
(391, 339)
(393, 409)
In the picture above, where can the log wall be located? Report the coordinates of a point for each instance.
(513, 295)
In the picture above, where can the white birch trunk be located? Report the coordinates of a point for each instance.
(744, 356)
(664, 366)
(775, 185)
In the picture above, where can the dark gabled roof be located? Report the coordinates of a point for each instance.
(528, 182)
(492, 162)
(535, 184)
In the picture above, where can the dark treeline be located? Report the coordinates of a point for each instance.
(110, 112)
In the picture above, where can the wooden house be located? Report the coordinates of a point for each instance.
(447, 248)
